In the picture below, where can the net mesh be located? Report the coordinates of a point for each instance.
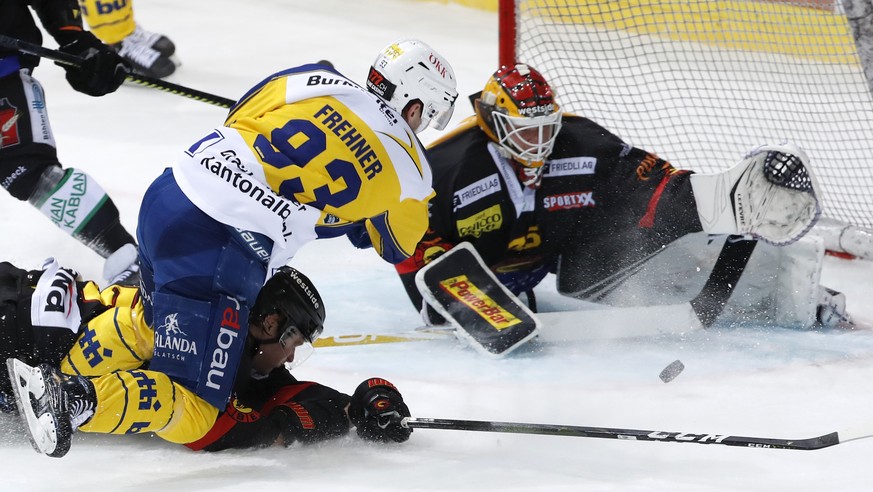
(701, 82)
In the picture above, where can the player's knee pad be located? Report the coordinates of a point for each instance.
(780, 286)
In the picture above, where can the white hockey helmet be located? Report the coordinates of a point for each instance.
(409, 70)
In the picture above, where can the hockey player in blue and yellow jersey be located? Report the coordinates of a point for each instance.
(305, 154)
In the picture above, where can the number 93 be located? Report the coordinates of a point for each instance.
(280, 153)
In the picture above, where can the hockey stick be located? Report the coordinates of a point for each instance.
(606, 323)
(375, 339)
(812, 443)
(722, 281)
(155, 83)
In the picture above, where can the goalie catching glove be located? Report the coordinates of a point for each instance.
(376, 410)
(771, 195)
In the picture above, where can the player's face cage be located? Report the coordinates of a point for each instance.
(530, 140)
(288, 330)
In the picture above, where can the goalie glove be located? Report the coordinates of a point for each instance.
(376, 410)
(771, 195)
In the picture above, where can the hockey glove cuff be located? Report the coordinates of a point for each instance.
(376, 410)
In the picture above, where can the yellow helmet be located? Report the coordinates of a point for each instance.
(518, 111)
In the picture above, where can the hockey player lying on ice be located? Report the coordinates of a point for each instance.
(536, 190)
(52, 319)
(305, 154)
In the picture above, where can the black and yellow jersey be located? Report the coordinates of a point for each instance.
(600, 204)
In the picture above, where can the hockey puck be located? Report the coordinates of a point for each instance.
(671, 371)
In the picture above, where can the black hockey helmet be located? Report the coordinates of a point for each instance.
(292, 295)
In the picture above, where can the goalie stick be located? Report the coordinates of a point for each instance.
(155, 83)
(811, 443)
(729, 267)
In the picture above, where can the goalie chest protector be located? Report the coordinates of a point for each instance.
(484, 312)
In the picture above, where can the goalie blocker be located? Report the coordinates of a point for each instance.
(466, 293)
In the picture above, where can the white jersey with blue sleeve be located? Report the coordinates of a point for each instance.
(307, 154)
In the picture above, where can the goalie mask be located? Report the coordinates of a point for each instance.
(409, 70)
(517, 110)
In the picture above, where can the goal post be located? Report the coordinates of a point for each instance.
(700, 82)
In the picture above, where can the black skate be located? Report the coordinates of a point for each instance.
(51, 404)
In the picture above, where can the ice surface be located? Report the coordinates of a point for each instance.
(766, 383)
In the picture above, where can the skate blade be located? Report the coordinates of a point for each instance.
(24, 384)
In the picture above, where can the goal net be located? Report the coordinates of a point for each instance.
(700, 82)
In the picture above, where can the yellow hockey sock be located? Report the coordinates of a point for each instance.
(133, 402)
(109, 20)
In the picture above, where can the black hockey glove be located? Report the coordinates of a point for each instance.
(376, 410)
(311, 421)
(102, 70)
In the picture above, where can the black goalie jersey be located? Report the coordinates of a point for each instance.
(601, 206)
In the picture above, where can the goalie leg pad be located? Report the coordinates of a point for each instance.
(485, 313)
(780, 286)
(771, 195)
